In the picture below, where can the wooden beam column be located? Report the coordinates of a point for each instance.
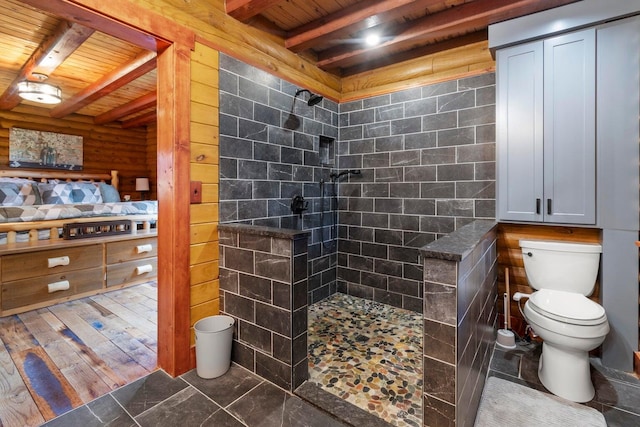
(173, 207)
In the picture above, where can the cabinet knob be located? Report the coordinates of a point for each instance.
(143, 248)
(58, 286)
(147, 268)
(54, 262)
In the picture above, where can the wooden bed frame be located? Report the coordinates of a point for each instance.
(52, 226)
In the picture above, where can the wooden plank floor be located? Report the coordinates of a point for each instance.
(57, 358)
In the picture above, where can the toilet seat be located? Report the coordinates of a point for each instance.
(567, 307)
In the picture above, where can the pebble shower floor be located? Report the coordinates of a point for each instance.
(369, 354)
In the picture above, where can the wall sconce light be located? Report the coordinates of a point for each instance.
(142, 185)
(39, 91)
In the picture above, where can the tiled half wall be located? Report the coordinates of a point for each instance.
(460, 291)
(263, 286)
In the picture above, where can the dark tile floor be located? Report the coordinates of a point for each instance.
(238, 398)
(617, 393)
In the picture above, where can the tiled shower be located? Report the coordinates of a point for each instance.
(426, 158)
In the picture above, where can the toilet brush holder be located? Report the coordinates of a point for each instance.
(506, 339)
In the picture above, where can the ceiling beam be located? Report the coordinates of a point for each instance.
(140, 66)
(137, 105)
(459, 19)
(245, 9)
(52, 52)
(141, 120)
(357, 17)
(418, 52)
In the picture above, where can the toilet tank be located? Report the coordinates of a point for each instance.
(563, 266)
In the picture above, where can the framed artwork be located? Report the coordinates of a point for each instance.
(48, 150)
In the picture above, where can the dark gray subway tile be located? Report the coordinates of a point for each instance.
(406, 95)
(486, 133)
(404, 190)
(460, 136)
(361, 146)
(485, 95)
(249, 209)
(250, 90)
(391, 143)
(389, 112)
(477, 153)
(404, 222)
(488, 79)
(249, 169)
(440, 121)
(420, 140)
(456, 101)
(235, 148)
(376, 130)
(459, 172)
(280, 136)
(420, 173)
(376, 101)
(361, 117)
(233, 189)
(463, 208)
(420, 107)
(404, 158)
(437, 156)
(249, 129)
(439, 88)
(376, 160)
(476, 190)
(420, 207)
(394, 174)
(405, 126)
(477, 116)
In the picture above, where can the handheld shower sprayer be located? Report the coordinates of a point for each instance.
(335, 176)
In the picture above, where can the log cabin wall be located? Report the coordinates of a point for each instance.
(104, 147)
(152, 162)
(204, 253)
(510, 256)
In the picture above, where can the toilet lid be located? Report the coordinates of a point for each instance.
(568, 307)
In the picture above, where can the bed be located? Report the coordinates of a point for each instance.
(37, 204)
(66, 235)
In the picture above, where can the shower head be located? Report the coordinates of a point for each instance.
(313, 98)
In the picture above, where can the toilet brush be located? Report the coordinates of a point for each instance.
(506, 338)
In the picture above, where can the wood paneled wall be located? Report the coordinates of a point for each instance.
(152, 159)
(104, 147)
(510, 255)
(204, 252)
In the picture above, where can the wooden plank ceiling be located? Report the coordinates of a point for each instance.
(115, 82)
(99, 75)
(333, 32)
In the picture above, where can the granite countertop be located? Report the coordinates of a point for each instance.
(455, 246)
(282, 233)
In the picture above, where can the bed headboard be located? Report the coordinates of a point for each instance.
(36, 174)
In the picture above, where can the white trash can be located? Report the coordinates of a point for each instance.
(214, 335)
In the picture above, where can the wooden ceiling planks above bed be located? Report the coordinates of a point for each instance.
(99, 75)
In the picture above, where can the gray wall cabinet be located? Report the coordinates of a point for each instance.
(546, 130)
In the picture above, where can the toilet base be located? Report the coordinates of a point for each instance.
(566, 373)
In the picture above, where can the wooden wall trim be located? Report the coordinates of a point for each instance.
(248, 44)
(456, 63)
(173, 208)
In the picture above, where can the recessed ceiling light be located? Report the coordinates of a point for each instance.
(372, 39)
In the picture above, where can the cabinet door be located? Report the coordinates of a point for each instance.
(520, 132)
(569, 128)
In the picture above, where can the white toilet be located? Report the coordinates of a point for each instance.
(569, 323)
